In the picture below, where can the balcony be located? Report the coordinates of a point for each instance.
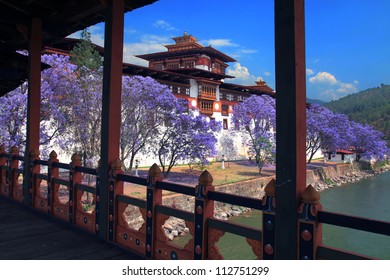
(206, 107)
(208, 95)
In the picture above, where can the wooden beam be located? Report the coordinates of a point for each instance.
(33, 102)
(111, 110)
(290, 121)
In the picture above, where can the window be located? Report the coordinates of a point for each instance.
(230, 97)
(159, 66)
(187, 91)
(225, 124)
(239, 98)
(225, 110)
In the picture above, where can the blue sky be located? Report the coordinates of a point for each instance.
(347, 42)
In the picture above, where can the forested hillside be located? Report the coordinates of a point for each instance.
(371, 106)
(315, 101)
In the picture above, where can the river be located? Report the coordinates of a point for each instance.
(367, 198)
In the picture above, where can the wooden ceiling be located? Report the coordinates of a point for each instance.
(59, 19)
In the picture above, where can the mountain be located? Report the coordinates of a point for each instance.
(371, 106)
(315, 101)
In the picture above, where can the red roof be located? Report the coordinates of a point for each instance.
(346, 152)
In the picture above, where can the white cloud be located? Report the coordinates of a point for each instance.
(248, 51)
(147, 44)
(242, 75)
(218, 43)
(326, 87)
(163, 25)
(266, 73)
(309, 72)
(346, 88)
(323, 77)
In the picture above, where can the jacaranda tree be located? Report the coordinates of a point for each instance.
(186, 137)
(255, 118)
(146, 106)
(368, 142)
(325, 130)
(56, 83)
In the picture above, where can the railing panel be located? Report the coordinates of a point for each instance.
(131, 179)
(60, 205)
(84, 210)
(235, 200)
(40, 199)
(164, 248)
(41, 162)
(217, 229)
(86, 170)
(130, 238)
(369, 225)
(176, 188)
(329, 253)
(61, 165)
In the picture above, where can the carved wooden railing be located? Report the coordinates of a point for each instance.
(151, 241)
(311, 217)
(66, 196)
(10, 173)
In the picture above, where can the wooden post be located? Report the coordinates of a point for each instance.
(74, 178)
(4, 187)
(111, 101)
(116, 188)
(290, 122)
(153, 198)
(33, 103)
(52, 172)
(309, 230)
(204, 209)
(34, 169)
(269, 207)
(13, 180)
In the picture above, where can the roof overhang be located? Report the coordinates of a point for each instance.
(13, 71)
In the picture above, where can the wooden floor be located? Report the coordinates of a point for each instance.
(26, 235)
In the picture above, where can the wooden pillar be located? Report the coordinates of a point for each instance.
(309, 230)
(204, 209)
(269, 206)
(153, 198)
(33, 102)
(290, 121)
(111, 107)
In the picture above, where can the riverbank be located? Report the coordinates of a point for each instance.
(354, 175)
(321, 176)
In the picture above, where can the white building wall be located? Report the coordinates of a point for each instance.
(194, 89)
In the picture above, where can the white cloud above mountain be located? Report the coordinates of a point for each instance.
(325, 86)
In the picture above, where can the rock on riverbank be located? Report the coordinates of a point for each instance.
(350, 177)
